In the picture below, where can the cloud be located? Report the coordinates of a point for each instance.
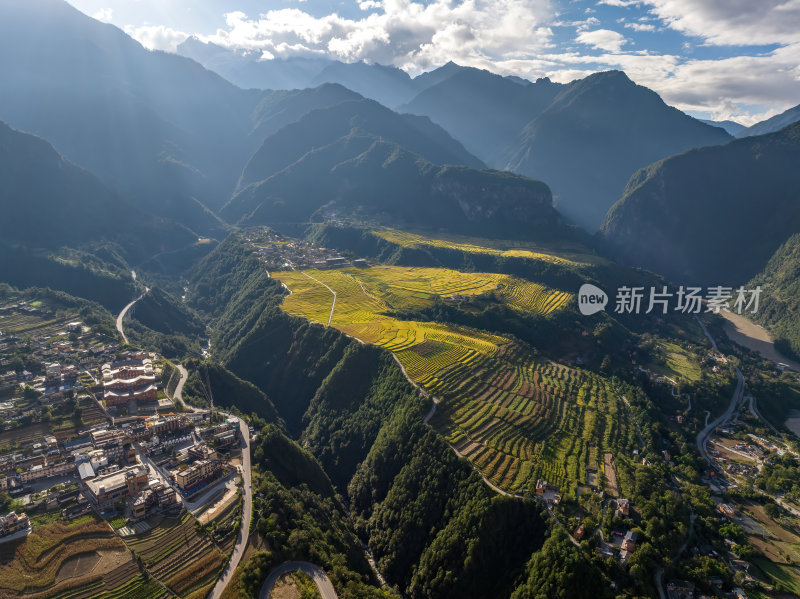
(771, 79)
(745, 88)
(620, 3)
(410, 34)
(104, 14)
(157, 37)
(732, 22)
(602, 39)
(514, 37)
(641, 26)
(579, 25)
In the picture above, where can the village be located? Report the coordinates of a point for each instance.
(283, 253)
(92, 427)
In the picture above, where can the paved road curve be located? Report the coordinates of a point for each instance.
(736, 402)
(247, 511)
(316, 573)
(178, 394)
(125, 311)
(247, 493)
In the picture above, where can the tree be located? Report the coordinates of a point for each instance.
(772, 510)
(560, 570)
(255, 571)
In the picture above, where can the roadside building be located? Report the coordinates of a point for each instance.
(85, 471)
(13, 522)
(108, 489)
(201, 451)
(199, 472)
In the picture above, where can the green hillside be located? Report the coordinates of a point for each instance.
(712, 215)
(324, 126)
(365, 179)
(227, 390)
(48, 202)
(780, 300)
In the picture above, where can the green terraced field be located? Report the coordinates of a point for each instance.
(519, 420)
(179, 557)
(516, 419)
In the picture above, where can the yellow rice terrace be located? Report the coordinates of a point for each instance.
(515, 418)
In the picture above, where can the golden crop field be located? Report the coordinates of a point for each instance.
(406, 239)
(364, 297)
(515, 418)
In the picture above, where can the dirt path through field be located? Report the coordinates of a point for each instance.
(610, 471)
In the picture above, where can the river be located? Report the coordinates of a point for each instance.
(752, 336)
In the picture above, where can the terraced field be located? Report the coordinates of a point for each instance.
(20, 323)
(176, 555)
(519, 420)
(72, 561)
(515, 418)
(365, 296)
(476, 246)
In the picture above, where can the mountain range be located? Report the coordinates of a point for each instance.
(772, 124)
(363, 178)
(157, 127)
(47, 202)
(323, 126)
(164, 134)
(386, 84)
(731, 127)
(711, 215)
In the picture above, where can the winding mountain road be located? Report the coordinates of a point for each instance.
(127, 308)
(737, 400)
(178, 394)
(247, 491)
(247, 512)
(316, 573)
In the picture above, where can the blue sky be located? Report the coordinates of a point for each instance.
(736, 59)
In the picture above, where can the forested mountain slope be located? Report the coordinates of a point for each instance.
(712, 215)
(434, 527)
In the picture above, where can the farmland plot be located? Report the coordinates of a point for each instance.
(515, 418)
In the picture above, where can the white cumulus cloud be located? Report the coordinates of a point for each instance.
(732, 22)
(641, 26)
(602, 39)
(104, 14)
(157, 37)
(410, 34)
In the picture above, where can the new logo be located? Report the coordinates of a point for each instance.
(591, 299)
